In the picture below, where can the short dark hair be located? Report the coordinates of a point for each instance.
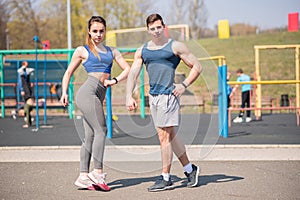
(239, 71)
(152, 18)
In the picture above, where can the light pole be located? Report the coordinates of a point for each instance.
(71, 87)
(69, 25)
(7, 39)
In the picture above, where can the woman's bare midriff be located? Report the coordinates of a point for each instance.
(99, 75)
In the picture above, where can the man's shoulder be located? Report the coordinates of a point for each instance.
(176, 43)
(178, 47)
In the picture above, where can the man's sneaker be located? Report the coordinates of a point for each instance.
(161, 185)
(84, 183)
(238, 120)
(192, 177)
(99, 180)
(248, 119)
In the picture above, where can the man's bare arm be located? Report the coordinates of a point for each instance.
(190, 60)
(131, 79)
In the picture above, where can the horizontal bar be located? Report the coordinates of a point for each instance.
(50, 51)
(276, 46)
(264, 82)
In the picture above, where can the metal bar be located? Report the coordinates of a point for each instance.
(142, 93)
(265, 82)
(220, 101)
(108, 112)
(225, 102)
(2, 86)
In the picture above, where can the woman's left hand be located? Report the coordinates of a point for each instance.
(108, 82)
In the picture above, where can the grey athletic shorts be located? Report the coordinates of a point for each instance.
(165, 110)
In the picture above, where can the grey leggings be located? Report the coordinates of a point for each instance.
(89, 100)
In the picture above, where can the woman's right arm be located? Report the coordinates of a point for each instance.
(76, 60)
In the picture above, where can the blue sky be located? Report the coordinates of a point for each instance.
(262, 13)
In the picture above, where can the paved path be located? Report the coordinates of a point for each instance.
(261, 180)
(259, 160)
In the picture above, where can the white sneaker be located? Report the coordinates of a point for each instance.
(248, 119)
(14, 114)
(238, 120)
(99, 180)
(84, 183)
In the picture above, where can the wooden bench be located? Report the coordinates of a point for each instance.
(10, 103)
(266, 101)
(185, 100)
(192, 100)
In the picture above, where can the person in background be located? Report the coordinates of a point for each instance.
(19, 98)
(26, 91)
(228, 90)
(246, 88)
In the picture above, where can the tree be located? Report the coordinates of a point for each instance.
(4, 39)
(55, 27)
(197, 17)
(80, 14)
(121, 14)
(193, 13)
(48, 19)
(23, 22)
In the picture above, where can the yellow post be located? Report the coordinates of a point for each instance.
(297, 77)
(223, 29)
(111, 39)
(258, 86)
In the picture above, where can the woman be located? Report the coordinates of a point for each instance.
(97, 60)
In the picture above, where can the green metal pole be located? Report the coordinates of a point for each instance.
(2, 87)
(142, 93)
(71, 90)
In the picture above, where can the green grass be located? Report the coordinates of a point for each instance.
(239, 51)
(274, 64)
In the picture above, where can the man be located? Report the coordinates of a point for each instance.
(161, 56)
(246, 88)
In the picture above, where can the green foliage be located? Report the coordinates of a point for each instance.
(48, 19)
(23, 23)
(3, 24)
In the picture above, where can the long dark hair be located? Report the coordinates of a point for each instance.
(88, 39)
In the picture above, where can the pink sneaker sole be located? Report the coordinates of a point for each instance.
(102, 187)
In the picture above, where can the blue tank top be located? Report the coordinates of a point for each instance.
(93, 64)
(161, 65)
